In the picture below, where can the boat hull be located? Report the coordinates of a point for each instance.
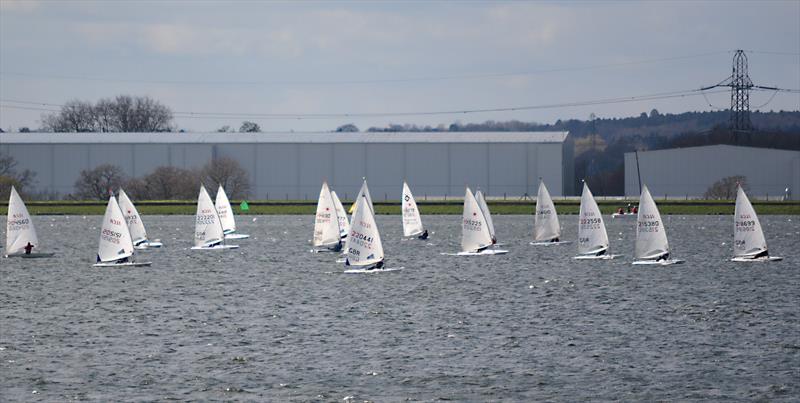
(33, 255)
(548, 243)
(216, 247)
(236, 236)
(595, 257)
(758, 259)
(485, 252)
(658, 262)
(373, 271)
(149, 245)
(617, 215)
(126, 264)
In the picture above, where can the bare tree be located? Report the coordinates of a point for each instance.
(121, 114)
(167, 183)
(228, 173)
(98, 182)
(10, 176)
(725, 188)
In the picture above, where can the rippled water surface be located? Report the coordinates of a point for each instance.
(271, 321)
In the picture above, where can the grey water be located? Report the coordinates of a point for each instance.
(273, 322)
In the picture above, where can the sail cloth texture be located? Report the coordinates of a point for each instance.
(474, 229)
(592, 235)
(748, 237)
(326, 222)
(115, 238)
(545, 226)
(135, 224)
(412, 223)
(19, 226)
(364, 246)
(651, 238)
(208, 229)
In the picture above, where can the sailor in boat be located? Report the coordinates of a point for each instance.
(635, 210)
(378, 265)
(211, 245)
(337, 247)
(601, 253)
(424, 235)
(554, 240)
(763, 253)
(28, 248)
(663, 257)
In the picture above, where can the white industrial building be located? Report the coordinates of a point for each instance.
(293, 165)
(682, 172)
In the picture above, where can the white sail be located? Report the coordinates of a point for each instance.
(545, 226)
(651, 238)
(487, 215)
(20, 230)
(412, 223)
(364, 191)
(208, 229)
(364, 247)
(592, 236)
(344, 224)
(132, 218)
(474, 229)
(115, 238)
(326, 223)
(225, 212)
(748, 238)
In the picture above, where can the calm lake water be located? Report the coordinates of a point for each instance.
(271, 321)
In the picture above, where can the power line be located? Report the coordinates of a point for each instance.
(364, 81)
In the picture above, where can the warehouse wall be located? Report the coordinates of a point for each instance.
(690, 171)
(296, 170)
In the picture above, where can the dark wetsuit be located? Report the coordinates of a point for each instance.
(424, 235)
(761, 254)
(28, 248)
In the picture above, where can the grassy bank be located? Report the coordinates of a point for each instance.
(183, 207)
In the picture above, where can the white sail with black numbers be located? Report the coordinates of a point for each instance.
(546, 226)
(326, 223)
(364, 246)
(748, 238)
(225, 212)
(474, 229)
(651, 238)
(486, 213)
(115, 238)
(341, 215)
(19, 227)
(132, 218)
(208, 228)
(592, 235)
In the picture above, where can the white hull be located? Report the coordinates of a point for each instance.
(481, 253)
(758, 259)
(624, 215)
(373, 271)
(236, 236)
(126, 264)
(658, 262)
(548, 243)
(32, 255)
(216, 247)
(148, 245)
(595, 257)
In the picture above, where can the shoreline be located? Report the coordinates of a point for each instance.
(439, 207)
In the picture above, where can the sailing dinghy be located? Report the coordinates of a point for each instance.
(326, 223)
(341, 215)
(115, 248)
(223, 206)
(546, 228)
(208, 232)
(592, 235)
(364, 191)
(135, 224)
(20, 231)
(364, 253)
(487, 215)
(749, 244)
(476, 239)
(412, 223)
(651, 238)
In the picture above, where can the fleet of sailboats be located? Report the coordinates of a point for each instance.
(208, 232)
(115, 248)
(123, 232)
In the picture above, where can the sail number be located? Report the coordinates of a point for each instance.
(649, 226)
(745, 226)
(544, 212)
(16, 225)
(110, 236)
(472, 225)
(206, 219)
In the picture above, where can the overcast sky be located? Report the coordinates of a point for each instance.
(352, 57)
